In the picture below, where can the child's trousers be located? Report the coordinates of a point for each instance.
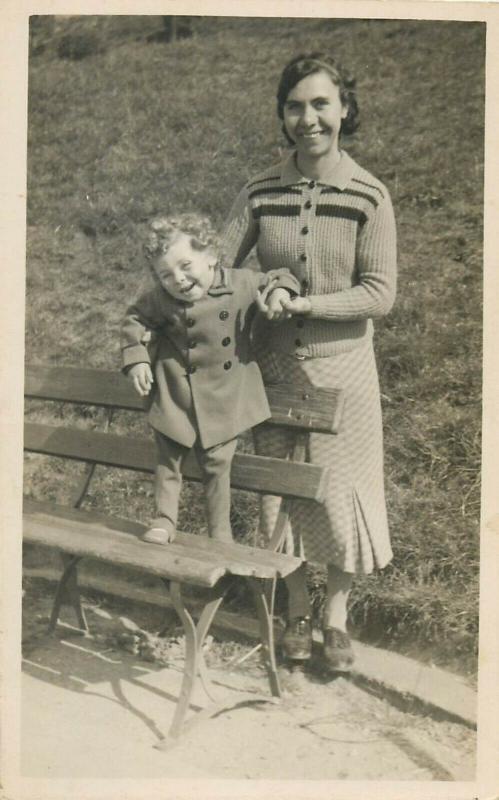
(215, 463)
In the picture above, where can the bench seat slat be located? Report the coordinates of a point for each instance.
(307, 408)
(191, 559)
(250, 472)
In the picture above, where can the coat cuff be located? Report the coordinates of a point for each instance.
(285, 280)
(135, 354)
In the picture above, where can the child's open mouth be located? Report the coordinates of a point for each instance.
(187, 289)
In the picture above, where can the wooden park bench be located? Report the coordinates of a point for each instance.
(191, 560)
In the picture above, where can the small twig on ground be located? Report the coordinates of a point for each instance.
(235, 662)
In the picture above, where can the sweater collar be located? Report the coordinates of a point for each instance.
(338, 176)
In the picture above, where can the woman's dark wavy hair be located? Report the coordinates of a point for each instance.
(308, 64)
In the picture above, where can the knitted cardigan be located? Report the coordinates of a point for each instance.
(336, 235)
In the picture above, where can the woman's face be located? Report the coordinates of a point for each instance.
(313, 112)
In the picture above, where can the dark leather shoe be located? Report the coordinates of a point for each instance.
(296, 642)
(338, 653)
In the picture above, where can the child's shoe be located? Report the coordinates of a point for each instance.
(161, 532)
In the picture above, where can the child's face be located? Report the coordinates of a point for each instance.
(186, 274)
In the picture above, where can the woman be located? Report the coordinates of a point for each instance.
(331, 223)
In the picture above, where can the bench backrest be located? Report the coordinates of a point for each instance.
(310, 409)
(303, 409)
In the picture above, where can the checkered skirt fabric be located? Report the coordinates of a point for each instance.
(350, 528)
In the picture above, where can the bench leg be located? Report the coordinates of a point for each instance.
(191, 659)
(266, 633)
(194, 666)
(203, 627)
(68, 590)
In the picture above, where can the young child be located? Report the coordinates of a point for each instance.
(205, 387)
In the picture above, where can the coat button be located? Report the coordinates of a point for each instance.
(224, 315)
(300, 323)
(303, 257)
(227, 364)
(308, 204)
(192, 344)
(226, 341)
(191, 369)
(298, 342)
(304, 230)
(190, 322)
(311, 184)
(304, 283)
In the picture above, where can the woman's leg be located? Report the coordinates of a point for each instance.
(339, 584)
(297, 639)
(296, 642)
(298, 598)
(338, 652)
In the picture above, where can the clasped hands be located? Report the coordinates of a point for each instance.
(277, 304)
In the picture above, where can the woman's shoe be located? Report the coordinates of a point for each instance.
(338, 652)
(296, 642)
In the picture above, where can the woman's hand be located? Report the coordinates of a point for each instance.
(141, 377)
(271, 303)
(297, 305)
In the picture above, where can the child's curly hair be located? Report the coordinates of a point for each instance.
(163, 231)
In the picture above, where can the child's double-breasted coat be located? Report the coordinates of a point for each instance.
(208, 386)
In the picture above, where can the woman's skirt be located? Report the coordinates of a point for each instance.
(350, 529)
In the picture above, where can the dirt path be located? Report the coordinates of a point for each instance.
(96, 708)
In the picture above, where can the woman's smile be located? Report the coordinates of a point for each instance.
(312, 137)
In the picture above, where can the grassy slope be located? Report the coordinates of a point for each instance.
(140, 128)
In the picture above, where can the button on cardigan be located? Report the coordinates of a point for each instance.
(336, 235)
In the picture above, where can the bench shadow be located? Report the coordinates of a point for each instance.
(77, 663)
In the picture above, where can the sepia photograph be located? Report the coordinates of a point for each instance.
(250, 407)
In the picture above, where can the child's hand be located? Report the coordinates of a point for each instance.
(272, 304)
(142, 378)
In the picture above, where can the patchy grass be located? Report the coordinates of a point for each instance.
(121, 128)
